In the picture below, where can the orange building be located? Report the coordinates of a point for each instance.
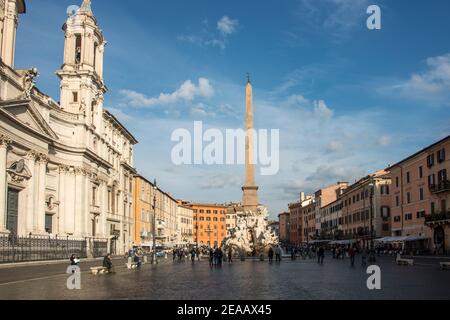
(421, 196)
(209, 224)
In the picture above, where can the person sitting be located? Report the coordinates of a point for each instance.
(107, 263)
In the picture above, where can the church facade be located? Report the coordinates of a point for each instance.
(66, 168)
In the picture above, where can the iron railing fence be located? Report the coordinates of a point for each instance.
(15, 249)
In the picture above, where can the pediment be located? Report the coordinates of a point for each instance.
(28, 115)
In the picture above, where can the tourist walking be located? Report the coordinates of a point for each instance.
(320, 255)
(351, 254)
(174, 253)
(364, 257)
(271, 255)
(230, 255)
(218, 254)
(211, 257)
(193, 252)
(278, 254)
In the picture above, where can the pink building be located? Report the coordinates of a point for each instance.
(421, 196)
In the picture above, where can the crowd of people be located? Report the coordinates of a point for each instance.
(338, 252)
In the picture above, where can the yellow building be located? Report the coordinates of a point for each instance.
(166, 215)
(143, 211)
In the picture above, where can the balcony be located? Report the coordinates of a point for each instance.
(436, 218)
(443, 186)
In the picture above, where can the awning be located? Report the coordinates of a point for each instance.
(343, 242)
(402, 239)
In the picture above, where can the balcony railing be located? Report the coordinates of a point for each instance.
(442, 216)
(442, 186)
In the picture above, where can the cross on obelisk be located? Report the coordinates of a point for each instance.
(250, 190)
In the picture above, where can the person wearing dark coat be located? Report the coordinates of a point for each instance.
(271, 253)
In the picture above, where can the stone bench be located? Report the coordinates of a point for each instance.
(405, 262)
(445, 265)
(99, 270)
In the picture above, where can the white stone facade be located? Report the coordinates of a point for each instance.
(66, 169)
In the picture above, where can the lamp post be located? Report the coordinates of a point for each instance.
(154, 259)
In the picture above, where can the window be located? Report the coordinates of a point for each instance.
(215, 212)
(208, 211)
(441, 155)
(408, 197)
(385, 227)
(420, 172)
(431, 180)
(430, 160)
(420, 214)
(421, 194)
(408, 177)
(408, 216)
(385, 213)
(78, 49)
(94, 195)
(397, 219)
(397, 182)
(74, 96)
(433, 208)
(208, 219)
(202, 218)
(215, 219)
(49, 223)
(442, 176)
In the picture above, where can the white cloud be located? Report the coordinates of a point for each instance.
(227, 26)
(336, 18)
(119, 114)
(188, 91)
(322, 111)
(213, 38)
(201, 110)
(334, 146)
(220, 181)
(435, 80)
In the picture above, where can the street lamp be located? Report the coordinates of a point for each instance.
(155, 188)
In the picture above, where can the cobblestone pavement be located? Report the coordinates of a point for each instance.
(238, 281)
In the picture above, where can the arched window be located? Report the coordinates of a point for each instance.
(78, 43)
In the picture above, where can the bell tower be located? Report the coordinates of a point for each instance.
(82, 85)
(9, 19)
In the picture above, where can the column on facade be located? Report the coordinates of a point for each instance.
(40, 208)
(70, 194)
(102, 225)
(9, 33)
(62, 201)
(3, 183)
(87, 205)
(80, 195)
(31, 193)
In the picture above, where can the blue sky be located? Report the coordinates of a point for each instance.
(347, 100)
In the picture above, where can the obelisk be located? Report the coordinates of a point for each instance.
(250, 190)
